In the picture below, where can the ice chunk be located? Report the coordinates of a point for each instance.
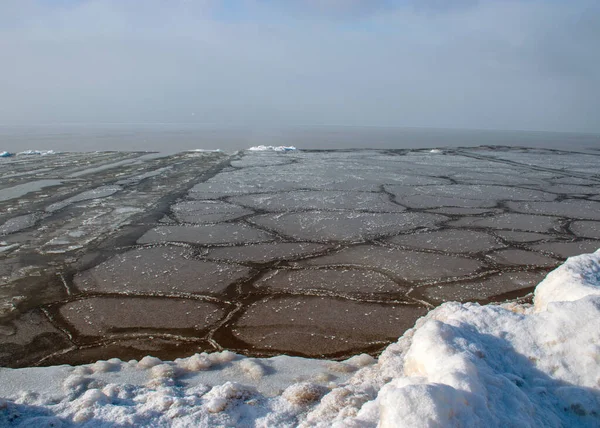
(406, 265)
(23, 189)
(263, 253)
(571, 208)
(530, 223)
(324, 226)
(498, 285)
(336, 281)
(452, 241)
(319, 326)
(164, 270)
(272, 148)
(317, 200)
(207, 211)
(567, 249)
(104, 316)
(206, 234)
(521, 257)
(586, 229)
(19, 223)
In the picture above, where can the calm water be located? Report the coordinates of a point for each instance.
(178, 137)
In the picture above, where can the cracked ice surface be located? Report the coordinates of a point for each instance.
(128, 254)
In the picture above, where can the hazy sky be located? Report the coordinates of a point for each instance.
(504, 64)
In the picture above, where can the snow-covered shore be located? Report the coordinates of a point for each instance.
(462, 365)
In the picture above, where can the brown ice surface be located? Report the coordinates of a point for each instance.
(159, 270)
(103, 316)
(280, 324)
(335, 281)
(264, 253)
(405, 265)
(315, 253)
(205, 234)
(481, 289)
(451, 241)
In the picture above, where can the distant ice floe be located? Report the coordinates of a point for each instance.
(205, 150)
(37, 152)
(435, 151)
(6, 154)
(272, 149)
(461, 365)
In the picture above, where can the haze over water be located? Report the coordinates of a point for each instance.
(175, 137)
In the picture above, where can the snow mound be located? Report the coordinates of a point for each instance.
(272, 149)
(461, 365)
(37, 152)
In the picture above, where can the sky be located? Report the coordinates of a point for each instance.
(483, 64)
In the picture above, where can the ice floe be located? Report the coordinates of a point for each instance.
(37, 152)
(262, 148)
(461, 365)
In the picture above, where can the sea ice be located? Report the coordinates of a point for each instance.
(452, 241)
(521, 257)
(159, 270)
(479, 289)
(567, 249)
(406, 265)
(212, 234)
(276, 324)
(264, 253)
(335, 281)
(324, 226)
(99, 317)
(586, 229)
(319, 200)
(571, 208)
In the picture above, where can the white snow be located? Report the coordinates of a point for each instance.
(37, 152)
(461, 365)
(262, 148)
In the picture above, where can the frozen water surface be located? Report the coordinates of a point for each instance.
(159, 270)
(521, 236)
(521, 257)
(320, 200)
(278, 324)
(100, 317)
(207, 211)
(336, 281)
(529, 223)
(264, 253)
(451, 241)
(586, 229)
(205, 234)
(482, 290)
(114, 254)
(407, 265)
(569, 208)
(566, 249)
(343, 226)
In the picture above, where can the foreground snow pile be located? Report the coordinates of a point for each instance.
(462, 365)
(272, 149)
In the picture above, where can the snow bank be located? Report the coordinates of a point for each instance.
(461, 365)
(37, 152)
(272, 149)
